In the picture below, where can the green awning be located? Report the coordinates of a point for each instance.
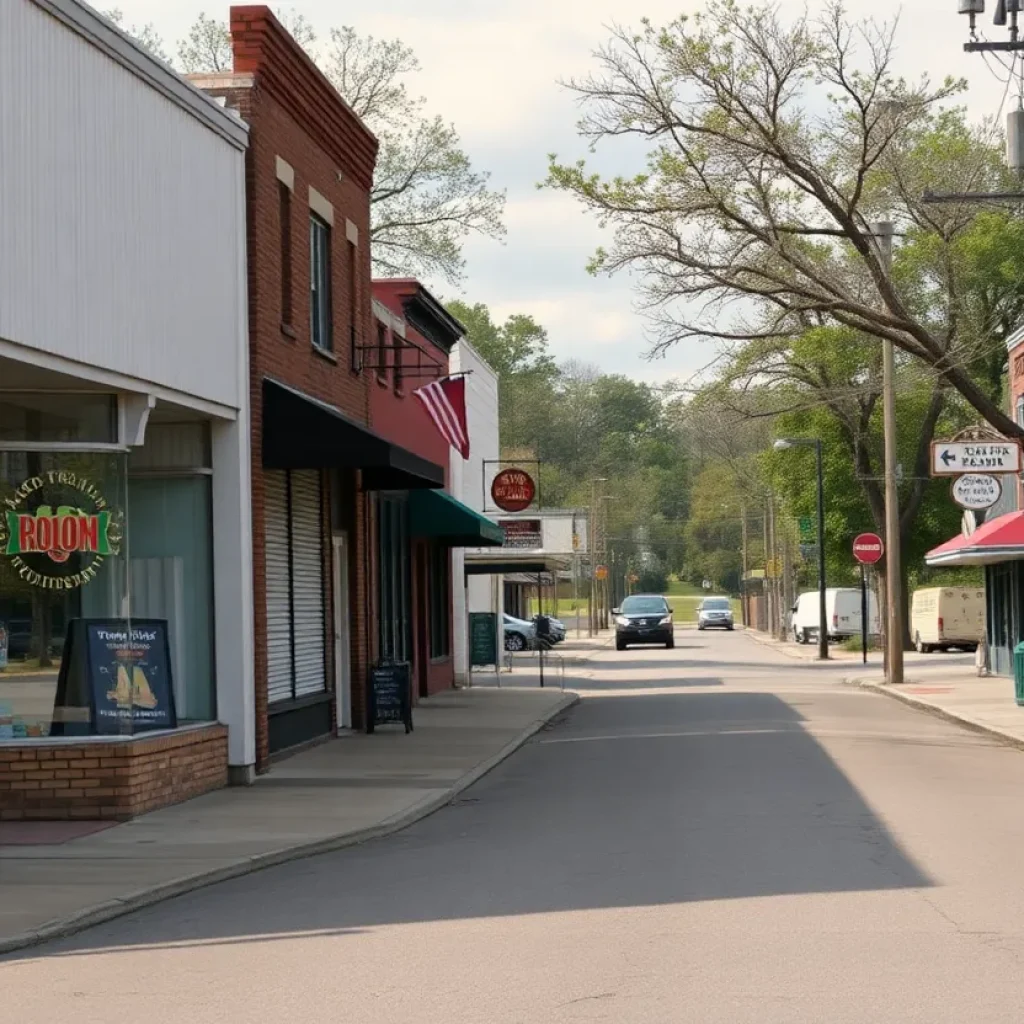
(439, 516)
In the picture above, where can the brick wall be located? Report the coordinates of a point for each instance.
(297, 117)
(115, 780)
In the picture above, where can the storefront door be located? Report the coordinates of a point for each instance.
(342, 638)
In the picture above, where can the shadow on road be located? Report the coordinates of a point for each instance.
(631, 801)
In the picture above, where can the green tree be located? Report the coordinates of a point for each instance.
(772, 148)
(427, 198)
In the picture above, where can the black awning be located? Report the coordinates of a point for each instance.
(300, 432)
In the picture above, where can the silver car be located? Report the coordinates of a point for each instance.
(715, 613)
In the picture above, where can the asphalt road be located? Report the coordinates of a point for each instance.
(715, 834)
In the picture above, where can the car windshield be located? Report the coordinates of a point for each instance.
(716, 604)
(644, 606)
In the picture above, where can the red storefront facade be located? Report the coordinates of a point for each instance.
(413, 336)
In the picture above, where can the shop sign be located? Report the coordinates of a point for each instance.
(951, 458)
(49, 519)
(513, 490)
(522, 533)
(977, 490)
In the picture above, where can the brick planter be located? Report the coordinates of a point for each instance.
(111, 778)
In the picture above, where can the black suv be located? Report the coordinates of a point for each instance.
(643, 619)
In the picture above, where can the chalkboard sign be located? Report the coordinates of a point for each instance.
(115, 678)
(390, 696)
(483, 638)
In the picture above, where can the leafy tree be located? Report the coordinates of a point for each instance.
(773, 149)
(426, 198)
(146, 35)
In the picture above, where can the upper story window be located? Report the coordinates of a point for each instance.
(285, 212)
(321, 326)
(1019, 411)
(382, 351)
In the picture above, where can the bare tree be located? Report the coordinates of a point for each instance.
(427, 198)
(145, 35)
(773, 148)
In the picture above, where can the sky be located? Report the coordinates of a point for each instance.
(493, 67)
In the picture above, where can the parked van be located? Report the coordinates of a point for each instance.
(944, 617)
(842, 614)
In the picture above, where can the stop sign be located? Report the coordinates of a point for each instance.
(868, 548)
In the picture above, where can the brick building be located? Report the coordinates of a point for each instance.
(315, 463)
(416, 531)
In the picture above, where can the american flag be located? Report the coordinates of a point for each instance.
(445, 402)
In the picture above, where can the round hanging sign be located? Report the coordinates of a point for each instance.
(513, 490)
(976, 490)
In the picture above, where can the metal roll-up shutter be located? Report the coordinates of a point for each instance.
(308, 583)
(275, 553)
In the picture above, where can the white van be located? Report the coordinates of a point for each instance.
(944, 617)
(842, 614)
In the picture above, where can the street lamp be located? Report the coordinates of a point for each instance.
(793, 442)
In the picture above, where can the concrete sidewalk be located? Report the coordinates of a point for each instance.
(55, 880)
(958, 694)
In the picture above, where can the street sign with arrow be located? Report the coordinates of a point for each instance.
(952, 458)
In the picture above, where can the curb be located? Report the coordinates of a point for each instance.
(91, 916)
(1009, 738)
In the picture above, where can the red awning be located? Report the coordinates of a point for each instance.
(999, 540)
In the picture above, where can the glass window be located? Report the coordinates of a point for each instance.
(440, 603)
(62, 524)
(58, 418)
(382, 350)
(394, 595)
(1020, 411)
(321, 328)
(285, 215)
(717, 604)
(640, 605)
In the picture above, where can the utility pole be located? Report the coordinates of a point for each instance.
(744, 597)
(883, 232)
(767, 582)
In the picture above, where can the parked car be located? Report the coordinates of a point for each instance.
(520, 635)
(643, 619)
(944, 617)
(715, 613)
(842, 614)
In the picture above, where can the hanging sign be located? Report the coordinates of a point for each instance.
(513, 490)
(868, 548)
(976, 490)
(952, 458)
(522, 533)
(57, 529)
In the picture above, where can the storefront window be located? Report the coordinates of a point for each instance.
(440, 602)
(58, 418)
(394, 587)
(62, 530)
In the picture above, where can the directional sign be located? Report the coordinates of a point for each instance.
(952, 458)
(868, 548)
(976, 490)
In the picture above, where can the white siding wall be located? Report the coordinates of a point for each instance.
(123, 232)
(467, 480)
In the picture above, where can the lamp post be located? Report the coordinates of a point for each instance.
(793, 442)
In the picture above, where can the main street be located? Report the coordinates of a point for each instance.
(716, 833)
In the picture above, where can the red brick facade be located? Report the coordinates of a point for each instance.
(303, 137)
(403, 363)
(115, 780)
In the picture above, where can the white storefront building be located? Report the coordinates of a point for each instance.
(124, 433)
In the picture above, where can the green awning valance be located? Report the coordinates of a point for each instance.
(439, 516)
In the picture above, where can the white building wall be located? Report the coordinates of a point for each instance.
(121, 230)
(123, 266)
(480, 593)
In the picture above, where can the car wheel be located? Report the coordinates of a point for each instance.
(515, 642)
(671, 643)
(730, 628)
(801, 636)
(920, 646)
